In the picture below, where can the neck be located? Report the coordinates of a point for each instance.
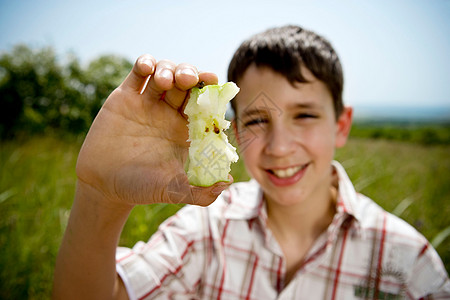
(305, 220)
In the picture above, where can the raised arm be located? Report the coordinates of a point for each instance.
(133, 154)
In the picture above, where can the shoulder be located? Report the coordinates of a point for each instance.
(403, 249)
(389, 246)
(373, 221)
(377, 222)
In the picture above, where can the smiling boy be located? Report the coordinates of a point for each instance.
(290, 155)
(297, 230)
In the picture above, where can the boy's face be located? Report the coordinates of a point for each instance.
(288, 134)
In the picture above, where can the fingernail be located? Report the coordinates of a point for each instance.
(166, 74)
(148, 62)
(188, 71)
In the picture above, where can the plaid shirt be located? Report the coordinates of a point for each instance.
(226, 251)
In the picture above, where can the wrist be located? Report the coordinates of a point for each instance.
(95, 199)
(93, 212)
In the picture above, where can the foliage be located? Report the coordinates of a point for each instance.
(428, 133)
(38, 93)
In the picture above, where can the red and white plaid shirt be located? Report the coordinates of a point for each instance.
(226, 251)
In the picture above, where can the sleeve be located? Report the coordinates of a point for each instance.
(429, 279)
(171, 263)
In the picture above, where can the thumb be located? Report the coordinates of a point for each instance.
(204, 196)
(180, 191)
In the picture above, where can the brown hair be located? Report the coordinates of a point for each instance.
(284, 50)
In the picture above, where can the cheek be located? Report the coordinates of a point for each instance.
(320, 139)
(245, 138)
(250, 162)
(250, 148)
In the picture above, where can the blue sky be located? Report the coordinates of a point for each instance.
(394, 53)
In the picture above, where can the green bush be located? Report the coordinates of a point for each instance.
(421, 133)
(38, 93)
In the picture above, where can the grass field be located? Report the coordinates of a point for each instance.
(38, 179)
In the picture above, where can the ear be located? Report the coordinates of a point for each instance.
(344, 124)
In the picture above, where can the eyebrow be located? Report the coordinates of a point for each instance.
(307, 105)
(255, 111)
(259, 111)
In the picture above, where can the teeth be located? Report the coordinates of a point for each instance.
(286, 172)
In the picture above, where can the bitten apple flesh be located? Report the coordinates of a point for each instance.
(210, 153)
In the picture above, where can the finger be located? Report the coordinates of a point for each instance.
(136, 79)
(186, 77)
(204, 196)
(175, 98)
(208, 78)
(162, 80)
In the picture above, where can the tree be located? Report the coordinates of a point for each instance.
(103, 75)
(38, 93)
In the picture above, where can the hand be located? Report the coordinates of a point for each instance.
(136, 148)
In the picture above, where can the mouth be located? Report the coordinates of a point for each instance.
(286, 176)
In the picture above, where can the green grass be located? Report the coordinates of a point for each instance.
(37, 185)
(36, 190)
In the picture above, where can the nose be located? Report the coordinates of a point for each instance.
(280, 141)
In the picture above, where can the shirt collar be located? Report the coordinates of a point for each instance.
(347, 198)
(347, 204)
(244, 200)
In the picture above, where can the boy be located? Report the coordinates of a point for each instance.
(297, 230)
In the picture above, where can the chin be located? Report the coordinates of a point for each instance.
(284, 198)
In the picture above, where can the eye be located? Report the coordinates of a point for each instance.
(255, 121)
(306, 116)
